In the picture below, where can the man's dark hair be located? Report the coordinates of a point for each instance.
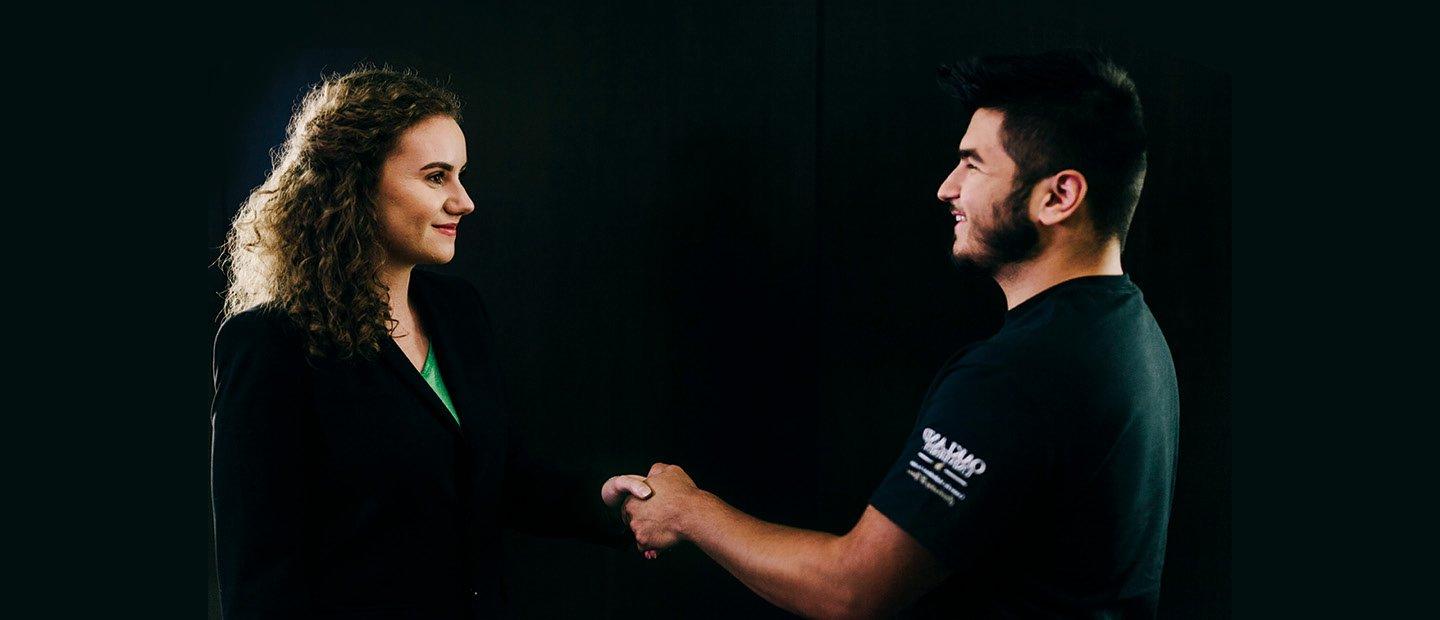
(1067, 109)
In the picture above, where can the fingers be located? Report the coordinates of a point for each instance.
(649, 554)
(628, 508)
(657, 468)
(610, 492)
(614, 491)
(634, 485)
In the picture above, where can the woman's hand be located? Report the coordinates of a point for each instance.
(617, 489)
(614, 491)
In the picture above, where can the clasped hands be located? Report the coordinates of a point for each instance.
(660, 508)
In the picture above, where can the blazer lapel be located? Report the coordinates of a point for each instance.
(459, 351)
(411, 377)
(462, 350)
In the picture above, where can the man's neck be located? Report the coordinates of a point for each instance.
(1021, 281)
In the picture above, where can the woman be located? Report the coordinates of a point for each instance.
(362, 464)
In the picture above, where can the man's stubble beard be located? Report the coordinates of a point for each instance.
(1013, 237)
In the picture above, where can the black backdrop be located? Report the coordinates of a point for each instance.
(708, 235)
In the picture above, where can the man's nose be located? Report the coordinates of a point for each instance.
(950, 187)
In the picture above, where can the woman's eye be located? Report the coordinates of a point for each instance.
(438, 177)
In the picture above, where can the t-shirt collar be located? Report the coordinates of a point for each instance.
(1104, 280)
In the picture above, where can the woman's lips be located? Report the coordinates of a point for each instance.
(445, 229)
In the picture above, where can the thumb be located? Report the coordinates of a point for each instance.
(614, 490)
(634, 485)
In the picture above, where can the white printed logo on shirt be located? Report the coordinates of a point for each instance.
(937, 453)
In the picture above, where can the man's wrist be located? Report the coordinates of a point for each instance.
(699, 511)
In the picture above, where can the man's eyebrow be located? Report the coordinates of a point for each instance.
(970, 154)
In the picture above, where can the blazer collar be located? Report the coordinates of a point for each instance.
(441, 330)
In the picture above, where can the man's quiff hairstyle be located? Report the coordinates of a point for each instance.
(1067, 109)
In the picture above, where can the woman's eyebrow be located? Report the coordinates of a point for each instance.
(438, 164)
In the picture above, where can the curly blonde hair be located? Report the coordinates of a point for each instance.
(308, 239)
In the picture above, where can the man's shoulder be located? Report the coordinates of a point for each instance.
(1081, 323)
(982, 377)
(1001, 358)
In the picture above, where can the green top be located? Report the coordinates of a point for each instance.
(431, 372)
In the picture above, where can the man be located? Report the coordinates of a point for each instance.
(1038, 478)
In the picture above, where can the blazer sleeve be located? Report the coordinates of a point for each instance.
(261, 395)
(557, 501)
(541, 494)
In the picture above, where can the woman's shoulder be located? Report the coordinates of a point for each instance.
(259, 349)
(265, 324)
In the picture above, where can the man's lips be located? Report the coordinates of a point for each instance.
(958, 215)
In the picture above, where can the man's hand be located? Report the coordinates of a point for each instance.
(659, 521)
(872, 571)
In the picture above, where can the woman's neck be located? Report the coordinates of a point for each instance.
(397, 279)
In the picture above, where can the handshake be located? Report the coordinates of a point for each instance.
(873, 570)
(661, 508)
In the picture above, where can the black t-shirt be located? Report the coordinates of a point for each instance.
(1041, 467)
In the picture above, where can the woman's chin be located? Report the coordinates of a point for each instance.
(435, 254)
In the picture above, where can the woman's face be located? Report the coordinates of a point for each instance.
(421, 200)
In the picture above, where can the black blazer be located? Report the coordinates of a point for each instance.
(346, 490)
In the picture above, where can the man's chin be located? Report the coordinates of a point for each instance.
(968, 261)
(960, 253)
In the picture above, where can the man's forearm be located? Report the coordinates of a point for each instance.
(802, 571)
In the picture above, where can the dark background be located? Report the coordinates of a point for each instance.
(708, 235)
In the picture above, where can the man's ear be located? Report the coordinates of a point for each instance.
(1060, 196)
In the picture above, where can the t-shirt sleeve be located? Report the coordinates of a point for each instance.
(967, 467)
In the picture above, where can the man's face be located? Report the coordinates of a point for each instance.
(992, 215)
